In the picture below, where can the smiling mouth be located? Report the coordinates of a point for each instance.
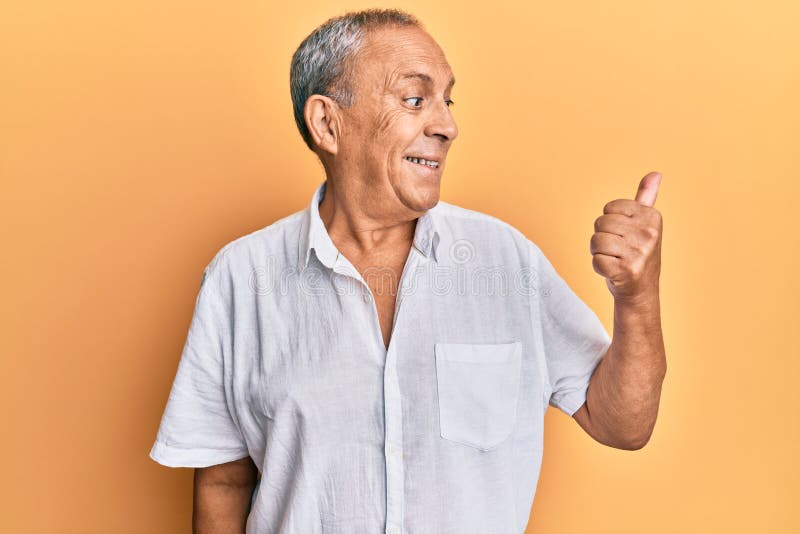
(425, 163)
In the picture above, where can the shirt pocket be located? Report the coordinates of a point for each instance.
(477, 388)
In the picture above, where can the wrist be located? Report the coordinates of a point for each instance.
(643, 300)
(641, 310)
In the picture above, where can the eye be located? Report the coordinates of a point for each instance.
(449, 103)
(414, 98)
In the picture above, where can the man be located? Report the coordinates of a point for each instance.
(382, 358)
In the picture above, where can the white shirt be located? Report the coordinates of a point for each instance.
(441, 433)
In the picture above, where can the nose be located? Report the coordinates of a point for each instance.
(442, 124)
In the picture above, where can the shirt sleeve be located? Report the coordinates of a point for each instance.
(573, 337)
(198, 428)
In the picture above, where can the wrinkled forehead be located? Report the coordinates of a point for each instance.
(388, 53)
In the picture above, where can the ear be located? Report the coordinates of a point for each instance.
(322, 121)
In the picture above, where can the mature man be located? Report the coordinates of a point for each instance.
(382, 358)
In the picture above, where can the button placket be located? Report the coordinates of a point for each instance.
(395, 484)
(395, 477)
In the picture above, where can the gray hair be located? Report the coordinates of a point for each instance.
(322, 63)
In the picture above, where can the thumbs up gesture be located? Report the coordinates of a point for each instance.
(626, 245)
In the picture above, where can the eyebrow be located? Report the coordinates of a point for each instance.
(425, 78)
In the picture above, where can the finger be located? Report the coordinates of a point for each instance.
(607, 244)
(613, 223)
(607, 266)
(648, 189)
(622, 206)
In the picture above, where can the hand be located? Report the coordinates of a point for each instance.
(626, 245)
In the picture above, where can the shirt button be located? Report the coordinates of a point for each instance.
(367, 298)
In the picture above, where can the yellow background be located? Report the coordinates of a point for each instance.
(138, 138)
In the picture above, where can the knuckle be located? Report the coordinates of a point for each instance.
(637, 268)
(597, 264)
(646, 233)
(609, 207)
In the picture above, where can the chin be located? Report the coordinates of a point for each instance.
(417, 193)
(425, 196)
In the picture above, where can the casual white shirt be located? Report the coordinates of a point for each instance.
(440, 434)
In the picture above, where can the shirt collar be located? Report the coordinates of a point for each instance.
(315, 236)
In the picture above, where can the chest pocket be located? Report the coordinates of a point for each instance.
(478, 387)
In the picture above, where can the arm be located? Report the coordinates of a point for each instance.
(222, 495)
(623, 395)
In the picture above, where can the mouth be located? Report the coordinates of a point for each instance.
(431, 165)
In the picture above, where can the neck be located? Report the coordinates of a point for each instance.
(357, 221)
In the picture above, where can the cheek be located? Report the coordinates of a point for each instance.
(393, 127)
(385, 122)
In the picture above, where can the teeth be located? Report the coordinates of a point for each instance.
(421, 161)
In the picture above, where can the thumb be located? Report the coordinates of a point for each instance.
(648, 189)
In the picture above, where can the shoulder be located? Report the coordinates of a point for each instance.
(276, 242)
(465, 223)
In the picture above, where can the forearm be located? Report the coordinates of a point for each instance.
(625, 390)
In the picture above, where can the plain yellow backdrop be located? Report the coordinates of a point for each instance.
(137, 138)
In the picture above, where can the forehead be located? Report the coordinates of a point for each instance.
(391, 53)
